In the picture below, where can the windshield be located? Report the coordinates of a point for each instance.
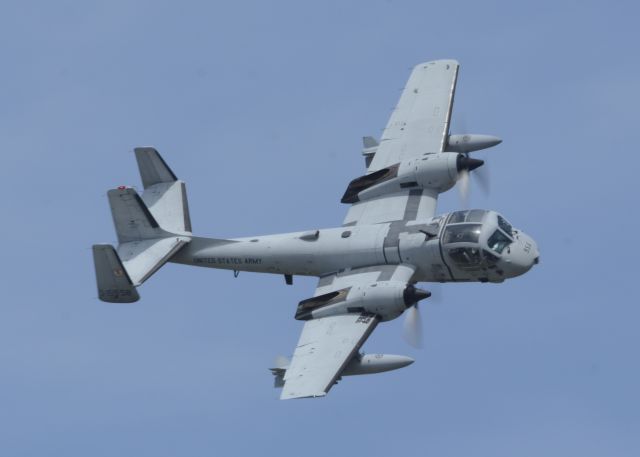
(462, 233)
(504, 225)
(498, 241)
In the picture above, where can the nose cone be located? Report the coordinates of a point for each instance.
(467, 163)
(490, 141)
(471, 142)
(413, 295)
(403, 361)
(376, 363)
(520, 256)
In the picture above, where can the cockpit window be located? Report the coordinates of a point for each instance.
(504, 225)
(490, 258)
(466, 257)
(457, 216)
(462, 233)
(474, 215)
(498, 241)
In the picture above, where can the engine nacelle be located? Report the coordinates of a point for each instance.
(438, 172)
(433, 171)
(386, 299)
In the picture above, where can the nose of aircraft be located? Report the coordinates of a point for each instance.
(521, 255)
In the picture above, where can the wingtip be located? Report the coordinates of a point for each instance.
(294, 396)
(451, 62)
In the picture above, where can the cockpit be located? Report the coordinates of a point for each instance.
(475, 240)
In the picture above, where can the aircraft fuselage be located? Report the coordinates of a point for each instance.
(444, 249)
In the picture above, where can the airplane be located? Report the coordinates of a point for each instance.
(367, 268)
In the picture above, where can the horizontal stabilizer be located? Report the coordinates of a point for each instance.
(369, 142)
(278, 371)
(143, 258)
(370, 146)
(153, 168)
(114, 284)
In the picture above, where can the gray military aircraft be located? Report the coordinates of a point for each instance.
(390, 239)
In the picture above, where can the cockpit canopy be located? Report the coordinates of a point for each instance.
(476, 238)
(472, 215)
(462, 233)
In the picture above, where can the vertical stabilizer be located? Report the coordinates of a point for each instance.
(131, 217)
(164, 194)
(114, 284)
(153, 168)
(151, 229)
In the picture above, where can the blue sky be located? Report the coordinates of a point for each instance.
(260, 107)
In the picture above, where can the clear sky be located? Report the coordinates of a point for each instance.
(260, 107)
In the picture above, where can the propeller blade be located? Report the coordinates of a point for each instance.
(413, 327)
(463, 187)
(483, 179)
(281, 362)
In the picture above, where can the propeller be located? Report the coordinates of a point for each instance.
(412, 327)
(466, 165)
(463, 187)
(464, 144)
(281, 362)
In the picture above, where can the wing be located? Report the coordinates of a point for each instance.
(419, 125)
(328, 344)
(324, 349)
(420, 121)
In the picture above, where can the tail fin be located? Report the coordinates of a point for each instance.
(164, 194)
(150, 229)
(131, 217)
(114, 284)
